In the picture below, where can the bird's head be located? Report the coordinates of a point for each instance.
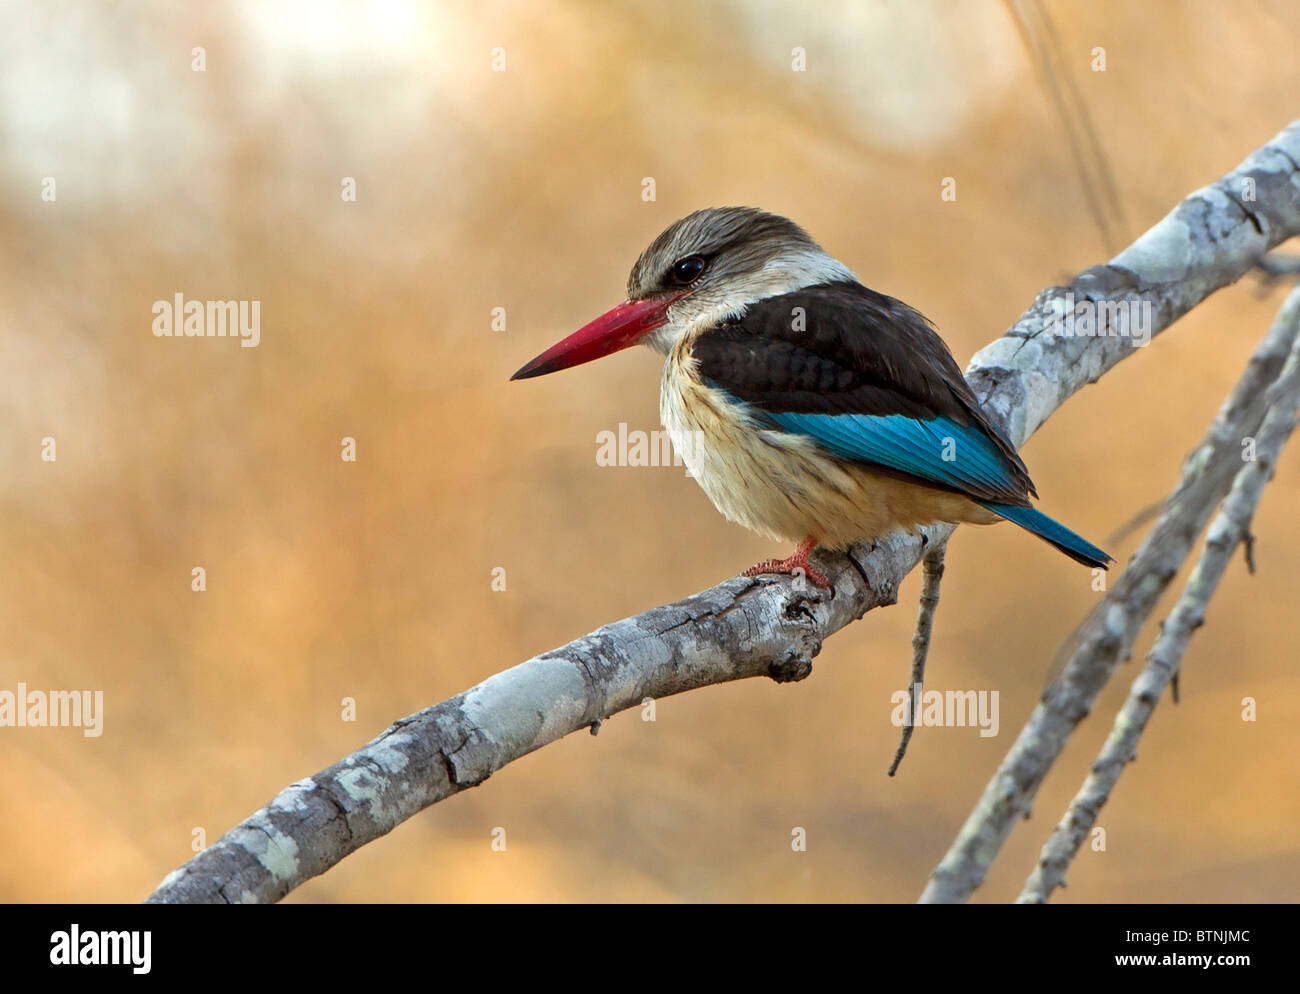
(703, 269)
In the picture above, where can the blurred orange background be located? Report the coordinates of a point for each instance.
(522, 190)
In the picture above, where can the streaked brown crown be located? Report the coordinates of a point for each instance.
(734, 242)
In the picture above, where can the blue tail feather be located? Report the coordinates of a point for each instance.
(1032, 520)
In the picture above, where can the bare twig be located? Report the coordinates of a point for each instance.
(1139, 518)
(1096, 178)
(1277, 266)
(1107, 635)
(1230, 528)
(740, 628)
(932, 569)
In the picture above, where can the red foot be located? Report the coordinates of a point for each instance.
(795, 565)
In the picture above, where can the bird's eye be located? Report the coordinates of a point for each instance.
(687, 270)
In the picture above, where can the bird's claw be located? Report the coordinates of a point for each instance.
(796, 565)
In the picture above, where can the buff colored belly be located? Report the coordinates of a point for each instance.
(782, 485)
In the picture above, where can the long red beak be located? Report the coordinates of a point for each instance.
(616, 329)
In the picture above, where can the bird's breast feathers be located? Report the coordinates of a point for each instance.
(783, 484)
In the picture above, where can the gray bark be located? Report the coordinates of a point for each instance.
(1107, 635)
(1231, 527)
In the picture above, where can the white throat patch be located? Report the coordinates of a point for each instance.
(783, 274)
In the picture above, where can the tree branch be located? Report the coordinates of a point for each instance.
(1107, 634)
(1230, 528)
(740, 628)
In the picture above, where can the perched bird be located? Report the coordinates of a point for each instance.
(808, 406)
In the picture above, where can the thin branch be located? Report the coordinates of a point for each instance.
(932, 570)
(1140, 518)
(1101, 162)
(1108, 633)
(1039, 35)
(740, 628)
(1231, 528)
(1277, 266)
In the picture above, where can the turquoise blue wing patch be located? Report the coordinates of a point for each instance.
(941, 450)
